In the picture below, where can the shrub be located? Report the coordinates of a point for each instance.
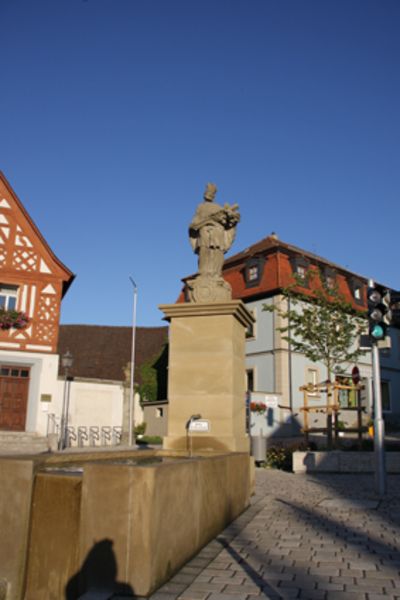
(150, 439)
(280, 456)
(140, 429)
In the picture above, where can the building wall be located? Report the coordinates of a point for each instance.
(43, 394)
(260, 348)
(390, 374)
(94, 403)
(279, 370)
(155, 415)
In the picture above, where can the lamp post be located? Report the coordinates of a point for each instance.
(66, 362)
(131, 388)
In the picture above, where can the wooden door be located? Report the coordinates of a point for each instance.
(14, 386)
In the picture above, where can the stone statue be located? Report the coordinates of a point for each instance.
(211, 233)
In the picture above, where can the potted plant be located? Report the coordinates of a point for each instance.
(12, 319)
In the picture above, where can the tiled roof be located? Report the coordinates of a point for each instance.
(272, 242)
(277, 273)
(103, 352)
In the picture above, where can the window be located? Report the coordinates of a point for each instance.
(301, 271)
(300, 267)
(253, 271)
(385, 391)
(159, 412)
(8, 296)
(312, 377)
(250, 380)
(329, 276)
(356, 287)
(14, 371)
(330, 282)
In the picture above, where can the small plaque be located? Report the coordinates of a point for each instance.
(199, 426)
(271, 401)
(45, 398)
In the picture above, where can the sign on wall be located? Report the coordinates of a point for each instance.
(199, 426)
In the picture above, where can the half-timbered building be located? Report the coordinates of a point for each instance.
(33, 282)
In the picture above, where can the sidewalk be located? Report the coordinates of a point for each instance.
(311, 537)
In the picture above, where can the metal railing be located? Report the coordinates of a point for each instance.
(94, 435)
(85, 436)
(116, 435)
(82, 436)
(106, 435)
(53, 424)
(70, 436)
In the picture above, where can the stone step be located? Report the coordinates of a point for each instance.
(15, 442)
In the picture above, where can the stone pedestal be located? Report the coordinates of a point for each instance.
(206, 374)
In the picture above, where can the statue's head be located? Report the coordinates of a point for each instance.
(210, 192)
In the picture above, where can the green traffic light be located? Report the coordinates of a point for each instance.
(377, 332)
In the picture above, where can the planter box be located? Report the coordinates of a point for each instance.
(338, 461)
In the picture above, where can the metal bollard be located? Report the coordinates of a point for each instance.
(259, 447)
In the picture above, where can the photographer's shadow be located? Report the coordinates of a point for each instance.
(97, 578)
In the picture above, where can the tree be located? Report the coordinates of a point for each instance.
(324, 327)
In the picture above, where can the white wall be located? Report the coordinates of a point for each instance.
(43, 381)
(93, 403)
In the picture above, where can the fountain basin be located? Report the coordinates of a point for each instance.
(110, 521)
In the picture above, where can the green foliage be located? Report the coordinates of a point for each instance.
(280, 456)
(150, 439)
(324, 327)
(152, 377)
(140, 429)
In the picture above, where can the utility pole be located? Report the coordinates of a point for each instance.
(379, 424)
(378, 312)
(131, 385)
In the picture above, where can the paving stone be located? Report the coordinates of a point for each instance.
(173, 588)
(225, 596)
(238, 580)
(206, 587)
(158, 596)
(190, 595)
(346, 596)
(303, 539)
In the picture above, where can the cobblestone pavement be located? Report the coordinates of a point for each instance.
(315, 537)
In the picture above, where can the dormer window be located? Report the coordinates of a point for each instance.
(253, 271)
(329, 276)
(300, 267)
(8, 296)
(356, 287)
(301, 271)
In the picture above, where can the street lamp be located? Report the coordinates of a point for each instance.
(66, 362)
(131, 399)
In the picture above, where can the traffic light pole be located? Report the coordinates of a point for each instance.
(379, 425)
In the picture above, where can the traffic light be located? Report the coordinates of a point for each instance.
(379, 313)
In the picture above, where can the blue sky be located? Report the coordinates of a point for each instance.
(114, 114)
